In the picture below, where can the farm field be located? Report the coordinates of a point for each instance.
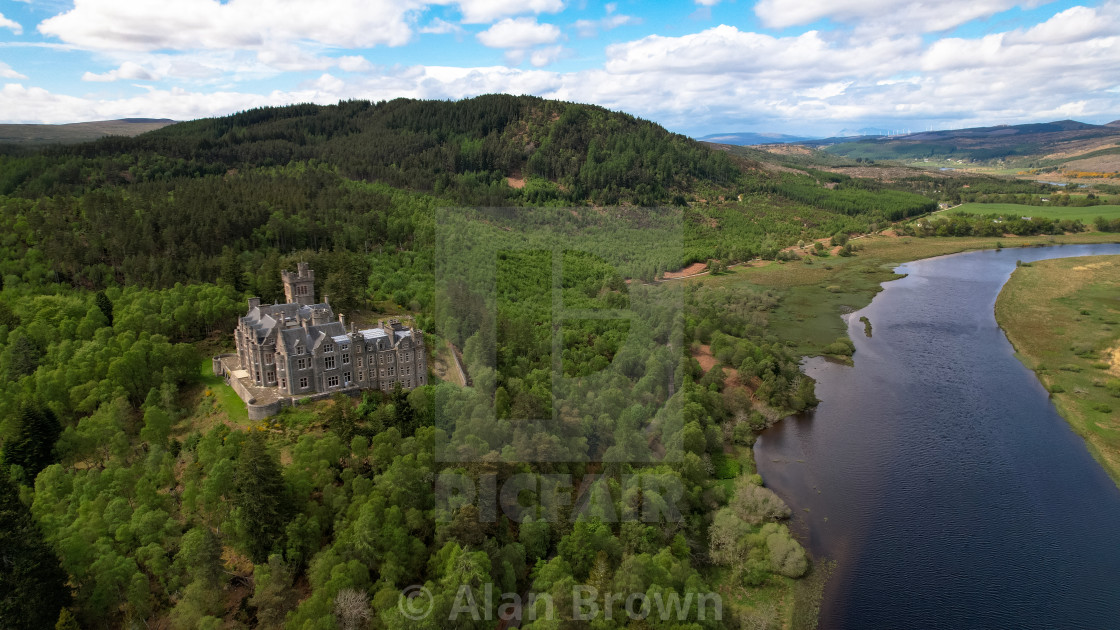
(1086, 214)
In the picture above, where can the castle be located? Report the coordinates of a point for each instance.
(299, 347)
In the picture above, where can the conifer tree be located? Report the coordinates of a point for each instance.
(32, 585)
(261, 497)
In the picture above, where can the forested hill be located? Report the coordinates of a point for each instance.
(463, 150)
(226, 198)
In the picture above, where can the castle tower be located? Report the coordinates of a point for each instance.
(299, 287)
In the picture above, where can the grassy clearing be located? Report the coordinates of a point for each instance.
(1086, 215)
(219, 398)
(814, 295)
(1063, 318)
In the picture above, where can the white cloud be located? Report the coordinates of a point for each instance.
(6, 72)
(545, 56)
(440, 27)
(812, 82)
(210, 24)
(589, 28)
(354, 64)
(518, 33)
(707, 3)
(127, 70)
(486, 11)
(726, 49)
(12, 24)
(895, 15)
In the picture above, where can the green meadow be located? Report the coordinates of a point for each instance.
(1085, 214)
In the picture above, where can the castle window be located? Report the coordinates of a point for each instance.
(283, 382)
(359, 361)
(303, 383)
(301, 289)
(269, 357)
(328, 363)
(270, 376)
(390, 370)
(301, 364)
(408, 370)
(332, 381)
(361, 375)
(346, 358)
(328, 347)
(346, 377)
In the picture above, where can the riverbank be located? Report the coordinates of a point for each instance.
(935, 467)
(1063, 318)
(813, 294)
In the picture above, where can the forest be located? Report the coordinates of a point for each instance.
(528, 234)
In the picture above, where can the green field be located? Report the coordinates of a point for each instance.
(1086, 215)
(1064, 321)
(813, 296)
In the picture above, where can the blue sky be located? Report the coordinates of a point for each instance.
(806, 67)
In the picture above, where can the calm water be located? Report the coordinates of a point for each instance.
(938, 475)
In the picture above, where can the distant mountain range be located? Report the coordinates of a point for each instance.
(748, 138)
(78, 132)
(1060, 138)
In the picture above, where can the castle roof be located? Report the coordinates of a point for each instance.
(265, 319)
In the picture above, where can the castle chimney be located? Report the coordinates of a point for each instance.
(342, 320)
(254, 302)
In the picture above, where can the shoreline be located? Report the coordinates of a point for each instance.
(936, 247)
(1074, 401)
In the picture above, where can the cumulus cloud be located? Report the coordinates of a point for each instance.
(727, 50)
(547, 55)
(589, 28)
(354, 63)
(6, 72)
(518, 33)
(883, 14)
(11, 24)
(210, 24)
(441, 27)
(486, 11)
(127, 70)
(814, 82)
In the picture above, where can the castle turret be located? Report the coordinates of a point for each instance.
(299, 287)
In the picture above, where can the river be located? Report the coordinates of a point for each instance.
(937, 474)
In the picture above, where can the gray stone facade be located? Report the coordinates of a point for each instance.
(300, 348)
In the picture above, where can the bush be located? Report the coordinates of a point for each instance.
(755, 504)
(787, 557)
(1102, 407)
(1057, 389)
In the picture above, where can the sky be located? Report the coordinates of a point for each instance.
(802, 67)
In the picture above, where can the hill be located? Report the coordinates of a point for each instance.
(747, 138)
(78, 132)
(1063, 138)
(163, 207)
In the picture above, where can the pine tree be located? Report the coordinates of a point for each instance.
(32, 585)
(261, 498)
(32, 448)
(105, 304)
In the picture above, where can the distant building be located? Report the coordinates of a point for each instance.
(301, 348)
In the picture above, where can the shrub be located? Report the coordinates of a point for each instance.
(755, 504)
(787, 557)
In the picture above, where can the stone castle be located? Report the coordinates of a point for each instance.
(300, 348)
